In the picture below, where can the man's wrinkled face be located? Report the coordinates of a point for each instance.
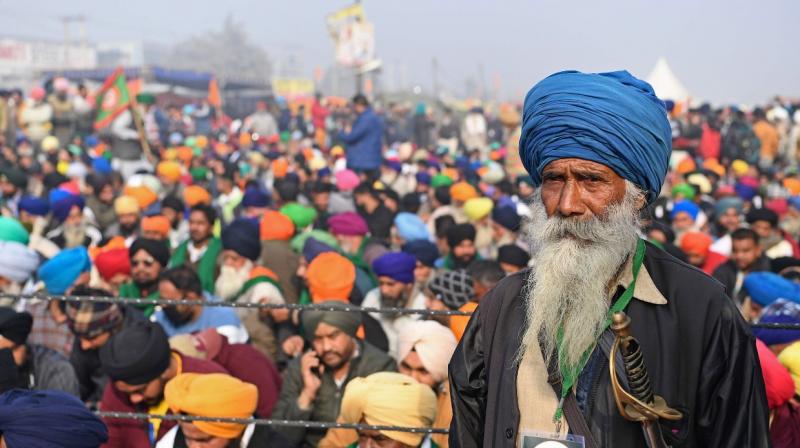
(199, 227)
(393, 293)
(744, 253)
(576, 188)
(149, 394)
(333, 346)
(144, 268)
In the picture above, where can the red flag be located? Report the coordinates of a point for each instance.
(214, 97)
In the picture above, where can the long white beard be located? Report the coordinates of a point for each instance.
(574, 263)
(231, 280)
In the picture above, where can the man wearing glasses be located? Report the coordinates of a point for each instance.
(148, 259)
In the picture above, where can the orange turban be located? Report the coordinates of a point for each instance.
(185, 154)
(143, 195)
(686, 166)
(714, 166)
(330, 277)
(793, 185)
(195, 194)
(212, 395)
(462, 191)
(696, 243)
(158, 223)
(276, 226)
(280, 167)
(169, 170)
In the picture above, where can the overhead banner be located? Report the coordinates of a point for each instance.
(291, 88)
(353, 36)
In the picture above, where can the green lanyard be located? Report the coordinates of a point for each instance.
(569, 374)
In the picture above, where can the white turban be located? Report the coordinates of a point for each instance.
(390, 399)
(17, 261)
(433, 342)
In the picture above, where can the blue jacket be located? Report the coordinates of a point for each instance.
(364, 142)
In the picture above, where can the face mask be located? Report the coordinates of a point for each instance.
(176, 317)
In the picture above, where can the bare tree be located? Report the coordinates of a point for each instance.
(227, 53)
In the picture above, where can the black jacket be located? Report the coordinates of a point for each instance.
(726, 274)
(698, 350)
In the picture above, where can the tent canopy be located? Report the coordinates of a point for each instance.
(666, 84)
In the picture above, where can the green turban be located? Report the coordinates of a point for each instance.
(346, 321)
(301, 215)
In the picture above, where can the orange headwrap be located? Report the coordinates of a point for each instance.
(158, 223)
(330, 277)
(185, 154)
(696, 243)
(280, 167)
(462, 191)
(195, 194)
(143, 195)
(169, 170)
(276, 226)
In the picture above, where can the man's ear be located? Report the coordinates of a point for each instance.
(641, 202)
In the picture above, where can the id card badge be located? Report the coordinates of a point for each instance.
(532, 439)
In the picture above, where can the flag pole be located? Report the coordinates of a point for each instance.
(137, 120)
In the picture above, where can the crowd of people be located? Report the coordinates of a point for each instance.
(377, 205)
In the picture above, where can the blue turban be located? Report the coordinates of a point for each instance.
(242, 237)
(507, 217)
(48, 419)
(767, 287)
(610, 118)
(91, 141)
(101, 165)
(424, 251)
(781, 311)
(423, 177)
(62, 207)
(685, 206)
(61, 271)
(313, 247)
(410, 227)
(34, 206)
(725, 204)
(255, 197)
(57, 194)
(396, 265)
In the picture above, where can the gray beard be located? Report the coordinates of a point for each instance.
(231, 280)
(74, 235)
(574, 265)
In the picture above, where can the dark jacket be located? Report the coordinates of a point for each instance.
(329, 397)
(46, 369)
(87, 362)
(364, 142)
(698, 350)
(263, 437)
(726, 274)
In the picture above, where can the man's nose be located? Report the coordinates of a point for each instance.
(570, 202)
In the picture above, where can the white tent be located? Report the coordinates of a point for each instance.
(666, 84)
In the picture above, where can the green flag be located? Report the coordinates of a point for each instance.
(112, 99)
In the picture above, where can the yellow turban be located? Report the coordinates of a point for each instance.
(124, 205)
(462, 191)
(433, 342)
(212, 395)
(170, 154)
(388, 398)
(143, 195)
(790, 358)
(169, 170)
(478, 208)
(740, 167)
(201, 141)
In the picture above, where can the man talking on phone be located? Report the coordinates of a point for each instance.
(313, 383)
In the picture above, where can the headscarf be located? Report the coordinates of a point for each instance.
(157, 223)
(398, 266)
(696, 242)
(48, 419)
(610, 118)
(140, 366)
(513, 255)
(410, 227)
(441, 180)
(686, 190)
(34, 206)
(143, 195)
(313, 247)
(299, 241)
(88, 319)
(781, 311)
(212, 395)
(424, 251)
(762, 214)
(725, 204)
(169, 170)
(330, 276)
(685, 207)
(276, 226)
(301, 215)
(61, 271)
(159, 250)
(125, 205)
(17, 261)
(63, 206)
(766, 287)
(348, 224)
(346, 180)
(343, 320)
(255, 197)
(459, 233)
(15, 326)
(506, 216)
(453, 288)
(375, 399)
(463, 192)
(433, 342)
(241, 236)
(478, 208)
(12, 230)
(195, 194)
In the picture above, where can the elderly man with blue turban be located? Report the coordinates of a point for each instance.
(534, 358)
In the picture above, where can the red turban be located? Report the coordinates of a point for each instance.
(113, 262)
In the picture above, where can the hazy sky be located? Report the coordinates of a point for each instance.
(722, 50)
